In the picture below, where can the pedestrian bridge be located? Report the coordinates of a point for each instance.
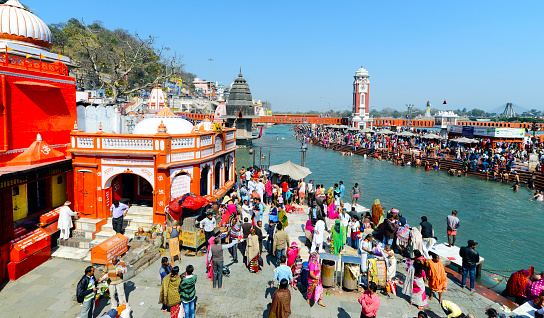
(376, 122)
(281, 119)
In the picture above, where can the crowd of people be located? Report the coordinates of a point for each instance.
(378, 233)
(498, 161)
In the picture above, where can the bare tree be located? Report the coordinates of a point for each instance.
(121, 62)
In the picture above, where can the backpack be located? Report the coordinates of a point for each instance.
(80, 289)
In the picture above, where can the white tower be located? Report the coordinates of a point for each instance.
(360, 98)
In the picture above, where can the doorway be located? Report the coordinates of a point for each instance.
(204, 180)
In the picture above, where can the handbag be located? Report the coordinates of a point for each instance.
(260, 260)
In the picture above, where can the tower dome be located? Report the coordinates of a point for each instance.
(240, 99)
(17, 24)
(361, 72)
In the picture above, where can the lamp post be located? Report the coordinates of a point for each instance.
(534, 128)
(304, 148)
(409, 122)
(210, 90)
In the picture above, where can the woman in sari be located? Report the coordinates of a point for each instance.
(337, 242)
(437, 276)
(209, 264)
(414, 285)
(377, 213)
(252, 252)
(268, 191)
(315, 288)
(294, 262)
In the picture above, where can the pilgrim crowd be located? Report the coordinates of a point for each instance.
(376, 235)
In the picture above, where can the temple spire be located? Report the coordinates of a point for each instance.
(240, 74)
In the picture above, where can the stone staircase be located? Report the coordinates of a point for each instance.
(137, 216)
(78, 246)
(91, 232)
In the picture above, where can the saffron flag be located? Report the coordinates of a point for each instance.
(28, 56)
(8, 49)
(60, 56)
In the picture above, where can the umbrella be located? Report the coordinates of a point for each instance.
(386, 132)
(464, 140)
(367, 130)
(406, 134)
(290, 169)
(432, 136)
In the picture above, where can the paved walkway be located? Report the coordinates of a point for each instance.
(49, 291)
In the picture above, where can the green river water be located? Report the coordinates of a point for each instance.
(507, 225)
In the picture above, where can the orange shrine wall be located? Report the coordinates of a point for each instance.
(30, 104)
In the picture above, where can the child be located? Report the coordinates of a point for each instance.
(366, 224)
(288, 196)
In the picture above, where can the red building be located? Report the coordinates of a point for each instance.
(37, 96)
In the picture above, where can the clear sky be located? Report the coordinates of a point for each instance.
(302, 55)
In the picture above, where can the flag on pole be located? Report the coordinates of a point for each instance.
(28, 56)
(60, 56)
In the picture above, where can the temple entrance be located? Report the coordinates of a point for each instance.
(204, 173)
(128, 187)
(217, 175)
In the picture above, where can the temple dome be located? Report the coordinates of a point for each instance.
(174, 124)
(17, 24)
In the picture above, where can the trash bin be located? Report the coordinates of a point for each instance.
(349, 281)
(304, 274)
(328, 271)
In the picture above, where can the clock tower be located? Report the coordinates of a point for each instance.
(360, 98)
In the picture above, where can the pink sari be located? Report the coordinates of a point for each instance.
(292, 253)
(332, 212)
(209, 264)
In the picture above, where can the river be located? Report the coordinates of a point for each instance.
(507, 225)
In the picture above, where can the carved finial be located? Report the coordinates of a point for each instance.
(240, 74)
(39, 137)
(100, 126)
(162, 128)
(75, 126)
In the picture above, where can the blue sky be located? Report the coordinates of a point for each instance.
(302, 55)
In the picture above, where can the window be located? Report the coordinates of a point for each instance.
(15, 191)
(37, 196)
(59, 180)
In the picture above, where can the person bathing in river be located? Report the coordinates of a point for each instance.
(538, 196)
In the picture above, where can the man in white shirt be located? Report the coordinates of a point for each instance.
(248, 175)
(260, 189)
(344, 221)
(317, 240)
(65, 220)
(208, 225)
